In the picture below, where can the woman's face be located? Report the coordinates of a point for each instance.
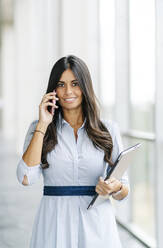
(68, 91)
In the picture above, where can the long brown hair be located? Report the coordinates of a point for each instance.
(95, 128)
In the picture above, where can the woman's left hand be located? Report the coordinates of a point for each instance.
(107, 187)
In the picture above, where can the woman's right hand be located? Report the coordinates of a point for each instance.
(44, 115)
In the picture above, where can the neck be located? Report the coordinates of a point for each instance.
(74, 118)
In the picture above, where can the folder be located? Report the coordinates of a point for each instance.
(120, 166)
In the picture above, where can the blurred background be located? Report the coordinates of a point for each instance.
(121, 41)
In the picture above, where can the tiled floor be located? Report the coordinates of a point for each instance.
(18, 205)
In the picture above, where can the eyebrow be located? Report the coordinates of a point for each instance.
(64, 82)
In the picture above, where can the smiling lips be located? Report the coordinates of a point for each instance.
(72, 99)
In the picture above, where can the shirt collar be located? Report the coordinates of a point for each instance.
(63, 121)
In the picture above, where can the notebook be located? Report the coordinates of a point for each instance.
(121, 164)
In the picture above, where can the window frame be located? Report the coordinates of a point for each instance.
(122, 111)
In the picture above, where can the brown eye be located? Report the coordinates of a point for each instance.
(76, 83)
(59, 84)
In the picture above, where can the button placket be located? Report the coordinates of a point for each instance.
(75, 160)
(78, 143)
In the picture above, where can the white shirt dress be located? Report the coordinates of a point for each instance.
(64, 221)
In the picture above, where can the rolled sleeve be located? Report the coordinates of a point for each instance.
(33, 173)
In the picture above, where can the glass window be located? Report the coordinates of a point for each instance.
(142, 175)
(142, 64)
(142, 104)
(139, 209)
(107, 56)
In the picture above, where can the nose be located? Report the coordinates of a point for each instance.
(68, 90)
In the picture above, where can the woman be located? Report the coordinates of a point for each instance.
(73, 149)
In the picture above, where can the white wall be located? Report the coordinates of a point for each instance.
(159, 123)
(8, 84)
(80, 34)
(35, 55)
(42, 32)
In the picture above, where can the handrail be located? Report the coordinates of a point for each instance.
(139, 135)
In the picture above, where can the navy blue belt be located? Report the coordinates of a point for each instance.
(69, 190)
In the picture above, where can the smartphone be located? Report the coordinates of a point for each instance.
(53, 108)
